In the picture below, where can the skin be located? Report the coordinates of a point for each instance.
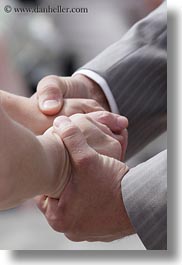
(21, 176)
(54, 93)
(26, 110)
(46, 165)
(91, 206)
(52, 90)
(103, 176)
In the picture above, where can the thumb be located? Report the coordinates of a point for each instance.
(72, 138)
(50, 95)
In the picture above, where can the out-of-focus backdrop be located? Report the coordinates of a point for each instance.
(33, 45)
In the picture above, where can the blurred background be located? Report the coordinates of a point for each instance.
(33, 45)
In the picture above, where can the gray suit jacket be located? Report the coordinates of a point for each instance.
(135, 70)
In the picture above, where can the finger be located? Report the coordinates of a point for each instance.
(114, 122)
(49, 207)
(102, 128)
(41, 202)
(124, 143)
(50, 95)
(79, 105)
(54, 215)
(72, 137)
(89, 122)
(118, 137)
(90, 105)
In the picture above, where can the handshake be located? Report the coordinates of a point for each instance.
(73, 164)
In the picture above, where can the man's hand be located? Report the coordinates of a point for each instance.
(27, 112)
(52, 90)
(55, 96)
(91, 206)
(103, 131)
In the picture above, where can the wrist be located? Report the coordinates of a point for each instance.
(57, 164)
(93, 90)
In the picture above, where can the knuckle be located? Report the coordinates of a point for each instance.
(125, 133)
(114, 148)
(55, 226)
(118, 150)
(115, 143)
(124, 169)
(49, 89)
(73, 237)
(51, 77)
(91, 105)
(85, 160)
(58, 226)
(48, 83)
(92, 102)
(52, 218)
(105, 115)
(96, 105)
(77, 117)
(69, 132)
(58, 223)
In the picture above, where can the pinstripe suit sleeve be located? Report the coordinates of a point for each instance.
(144, 191)
(135, 70)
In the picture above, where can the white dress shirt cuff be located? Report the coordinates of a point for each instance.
(104, 86)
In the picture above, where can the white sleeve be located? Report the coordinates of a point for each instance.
(103, 85)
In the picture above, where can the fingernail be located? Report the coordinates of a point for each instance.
(62, 122)
(45, 203)
(50, 104)
(122, 122)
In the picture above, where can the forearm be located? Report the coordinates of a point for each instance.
(26, 168)
(25, 111)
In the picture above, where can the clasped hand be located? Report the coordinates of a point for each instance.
(79, 157)
(91, 206)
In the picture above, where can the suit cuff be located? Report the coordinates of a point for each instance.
(103, 85)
